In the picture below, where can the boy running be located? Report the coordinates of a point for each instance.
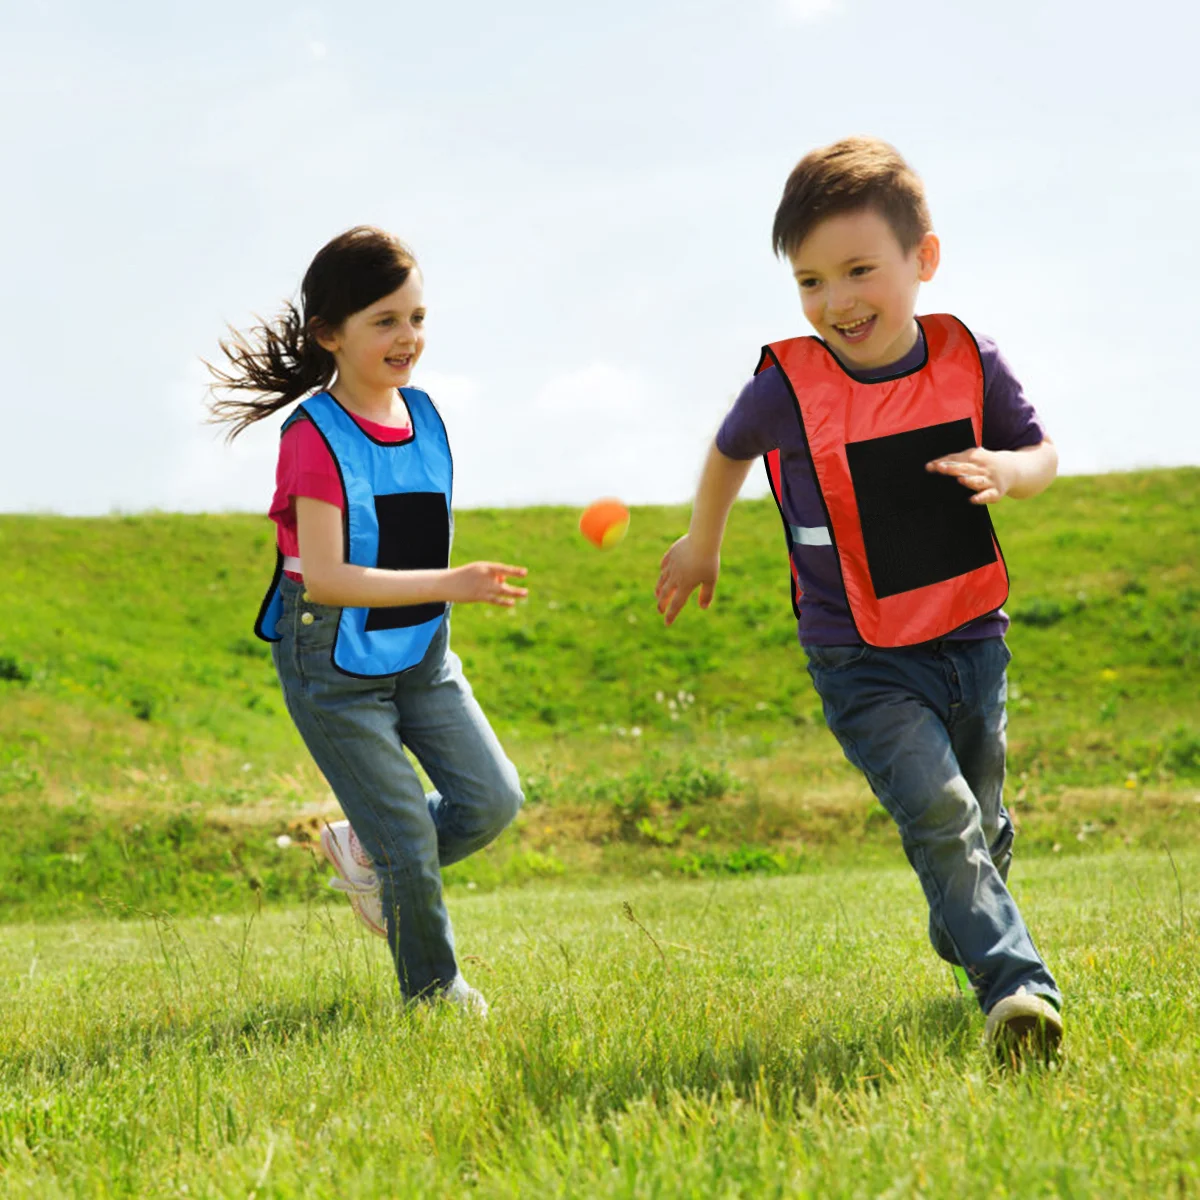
(886, 437)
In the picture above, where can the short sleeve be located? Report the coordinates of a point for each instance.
(305, 468)
(1010, 422)
(762, 419)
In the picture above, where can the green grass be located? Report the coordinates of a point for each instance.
(765, 1019)
(145, 757)
(764, 1037)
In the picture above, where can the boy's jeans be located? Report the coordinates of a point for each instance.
(356, 730)
(926, 725)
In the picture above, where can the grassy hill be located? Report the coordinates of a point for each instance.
(140, 721)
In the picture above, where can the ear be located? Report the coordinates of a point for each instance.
(323, 336)
(929, 254)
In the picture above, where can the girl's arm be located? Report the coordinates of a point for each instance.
(329, 579)
(695, 559)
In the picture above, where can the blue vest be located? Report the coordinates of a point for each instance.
(397, 516)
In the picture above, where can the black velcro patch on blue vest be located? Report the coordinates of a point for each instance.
(919, 528)
(414, 535)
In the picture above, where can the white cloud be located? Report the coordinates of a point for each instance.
(457, 396)
(808, 10)
(595, 390)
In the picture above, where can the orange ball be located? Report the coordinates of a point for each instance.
(604, 523)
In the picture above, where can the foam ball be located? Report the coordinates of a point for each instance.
(604, 523)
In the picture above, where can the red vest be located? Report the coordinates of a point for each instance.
(917, 558)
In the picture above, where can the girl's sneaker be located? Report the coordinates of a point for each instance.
(1023, 1026)
(463, 996)
(356, 874)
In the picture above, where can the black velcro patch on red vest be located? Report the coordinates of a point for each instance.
(919, 528)
(414, 535)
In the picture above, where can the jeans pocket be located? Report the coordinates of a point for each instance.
(836, 658)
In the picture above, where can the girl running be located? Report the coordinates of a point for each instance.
(358, 610)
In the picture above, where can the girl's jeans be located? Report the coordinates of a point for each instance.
(357, 731)
(926, 725)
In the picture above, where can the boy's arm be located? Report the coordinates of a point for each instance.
(992, 474)
(695, 559)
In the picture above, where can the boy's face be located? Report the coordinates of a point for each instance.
(859, 287)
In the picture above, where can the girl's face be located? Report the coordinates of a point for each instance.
(377, 347)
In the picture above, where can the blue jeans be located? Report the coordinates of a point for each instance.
(926, 726)
(357, 731)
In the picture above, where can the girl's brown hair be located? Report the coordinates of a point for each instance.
(853, 174)
(274, 364)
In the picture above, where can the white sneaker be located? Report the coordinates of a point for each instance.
(356, 874)
(462, 995)
(1024, 1025)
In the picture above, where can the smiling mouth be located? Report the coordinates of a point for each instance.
(857, 331)
(400, 361)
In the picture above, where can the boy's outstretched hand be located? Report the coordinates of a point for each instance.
(993, 474)
(684, 568)
(988, 473)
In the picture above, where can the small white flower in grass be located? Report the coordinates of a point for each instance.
(283, 841)
(658, 696)
(636, 731)
(761, 706)
(246, 766)
(471, 885)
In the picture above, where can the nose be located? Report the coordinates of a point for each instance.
(840, 298)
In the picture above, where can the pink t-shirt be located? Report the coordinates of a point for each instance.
(306, 468)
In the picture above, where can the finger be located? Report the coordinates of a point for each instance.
(947, 466)
(505, 569)
(706, 594)
(664, 598)
(507, 589)
(677, 602)
(987, 496)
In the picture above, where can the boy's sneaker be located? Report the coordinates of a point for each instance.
(1024, 1026)
(356, 874)
(463, 996)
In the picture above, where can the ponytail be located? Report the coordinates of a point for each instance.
(276, 364)
(281, 362)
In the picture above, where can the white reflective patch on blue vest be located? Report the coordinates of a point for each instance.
(810, 535)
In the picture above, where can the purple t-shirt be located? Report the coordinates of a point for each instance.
(763, 418)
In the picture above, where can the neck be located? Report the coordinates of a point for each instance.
(378, 406)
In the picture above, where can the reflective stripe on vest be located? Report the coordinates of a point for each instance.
(397, 516)
(918, 559)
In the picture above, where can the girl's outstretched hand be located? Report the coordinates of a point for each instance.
(684, 568)
(486, 583)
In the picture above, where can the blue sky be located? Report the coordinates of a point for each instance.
(590, 192)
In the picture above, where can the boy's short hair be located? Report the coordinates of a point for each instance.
(850, 175)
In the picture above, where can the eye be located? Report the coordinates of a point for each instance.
(860, 271)
(386, 321)
(418, 318)
(807, 284)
